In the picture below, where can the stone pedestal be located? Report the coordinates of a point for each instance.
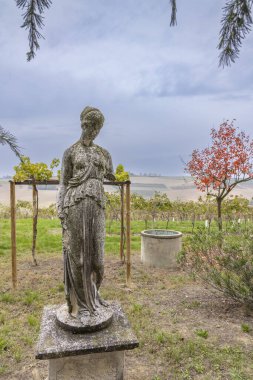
(90, 356)
(106, 366)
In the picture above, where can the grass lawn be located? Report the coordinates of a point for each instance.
(49, 235)
(186, 331)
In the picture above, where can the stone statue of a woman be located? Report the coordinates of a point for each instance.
(81, 203)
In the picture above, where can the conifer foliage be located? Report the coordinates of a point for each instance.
(33, 21)
(236, 24)
(7, 138)
(173, 19)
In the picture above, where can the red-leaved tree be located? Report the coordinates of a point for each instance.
(226, 163)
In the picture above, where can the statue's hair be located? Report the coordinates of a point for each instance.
(93, 113)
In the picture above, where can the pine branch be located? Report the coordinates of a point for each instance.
(33, 21)
(8, 138)
(173, 19)
(236, 24)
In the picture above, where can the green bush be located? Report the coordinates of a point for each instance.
(224, 260)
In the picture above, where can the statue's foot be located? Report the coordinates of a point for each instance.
(70, 309)
(102, 302)
(84, 321)
(82, 315)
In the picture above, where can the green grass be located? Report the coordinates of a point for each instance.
(202, 333)
(185, 354)
(3, 344)
(189, 356)
(139, 225)
(33, 321)
(30, 297)
(200, 357)
(49, 235)
(7, 297)
(245, 328)
(49, 239)
(46, 241)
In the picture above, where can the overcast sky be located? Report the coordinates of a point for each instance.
(160, 88)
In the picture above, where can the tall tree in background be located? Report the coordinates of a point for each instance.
(38, 171)
(236, 23)
(218, 169)
(8, 138)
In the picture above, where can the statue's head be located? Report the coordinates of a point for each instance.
(92, 121)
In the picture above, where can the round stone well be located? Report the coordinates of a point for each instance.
(159, 248)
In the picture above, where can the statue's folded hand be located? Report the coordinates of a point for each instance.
(111, 177)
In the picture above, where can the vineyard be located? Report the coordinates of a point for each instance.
(155, 212)
(186, 330)
(156, 208)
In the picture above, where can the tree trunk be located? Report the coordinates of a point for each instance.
(219, 200)
(35, 220)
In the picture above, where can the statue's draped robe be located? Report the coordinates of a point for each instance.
(82, 201)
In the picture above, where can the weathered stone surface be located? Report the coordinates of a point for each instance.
(81, 203)
(159, 248)
(88, 323)
(55, 342)
(101, 366)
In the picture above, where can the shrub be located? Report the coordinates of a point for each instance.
(4, 211)
(223, 260)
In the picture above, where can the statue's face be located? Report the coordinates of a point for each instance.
(91, 127)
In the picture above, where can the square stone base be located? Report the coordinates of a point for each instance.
(90, 356)
(106, 366)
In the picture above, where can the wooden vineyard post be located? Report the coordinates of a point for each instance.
(13, 234)
(128, 234)
(35, 219)
(122, 227)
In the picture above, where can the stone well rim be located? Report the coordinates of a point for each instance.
(172, 234)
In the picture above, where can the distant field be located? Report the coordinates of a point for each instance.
(181, 188)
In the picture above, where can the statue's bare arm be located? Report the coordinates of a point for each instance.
(66, 175)
(109, 173)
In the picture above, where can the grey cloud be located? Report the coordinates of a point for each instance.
(160, 88)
